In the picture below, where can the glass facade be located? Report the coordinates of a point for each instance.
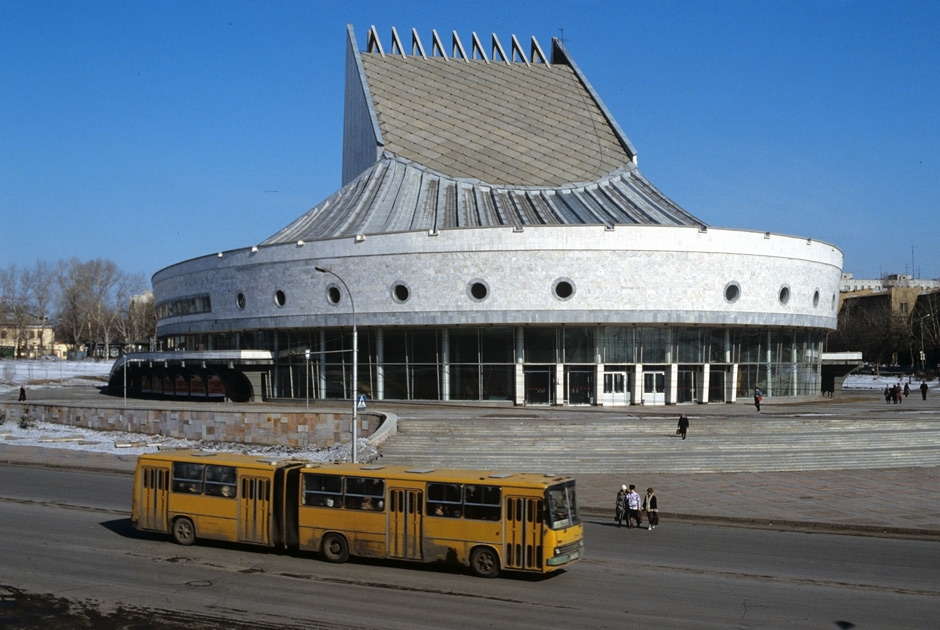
(551, 364)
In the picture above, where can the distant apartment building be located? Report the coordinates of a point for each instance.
(901, 291)
(851, 284)
(25, 339)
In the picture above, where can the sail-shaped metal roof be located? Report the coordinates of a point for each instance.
(475, 140)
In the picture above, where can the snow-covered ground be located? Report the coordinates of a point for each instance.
(45, 373)
(56, 374)
(874, 382)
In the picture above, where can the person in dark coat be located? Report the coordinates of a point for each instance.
(923, 389)
(758, 396)
(22, 394)
(651, 509)
(683, 425)
(620, 507)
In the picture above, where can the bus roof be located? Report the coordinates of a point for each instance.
(220, 458)
(455, 475)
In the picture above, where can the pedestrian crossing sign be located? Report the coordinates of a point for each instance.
(361, 404)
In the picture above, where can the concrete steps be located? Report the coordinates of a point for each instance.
(607, 444)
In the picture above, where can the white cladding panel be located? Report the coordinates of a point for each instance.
(629, 274)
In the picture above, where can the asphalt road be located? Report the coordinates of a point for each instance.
(66, 543)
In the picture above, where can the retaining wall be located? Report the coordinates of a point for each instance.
(296, 429)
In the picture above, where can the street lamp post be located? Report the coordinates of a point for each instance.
(355, 363)
(307, 383)
(923, 355)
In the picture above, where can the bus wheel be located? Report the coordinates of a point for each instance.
(484, 562)
(184, 533)
(334, 548)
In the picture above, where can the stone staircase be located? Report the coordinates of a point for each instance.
(598, 443)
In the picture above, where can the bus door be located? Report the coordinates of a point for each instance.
(405, 515)
(523, 541)
(154, 489)
(254, 510)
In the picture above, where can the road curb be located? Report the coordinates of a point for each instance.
(850, 529)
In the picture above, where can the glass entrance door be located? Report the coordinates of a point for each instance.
(539, 386)
(716, 386)
(615, 389)
(685, 392)
(580, 387)
(654, 388)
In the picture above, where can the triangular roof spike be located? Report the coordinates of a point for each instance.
(437, 45)
(537, 50)
(373, 42)
(497, 47)
(457, 46)
(416, 43)
(396, 43)
(517, 49)
(478, 48)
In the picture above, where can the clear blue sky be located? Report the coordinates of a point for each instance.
(154, 132)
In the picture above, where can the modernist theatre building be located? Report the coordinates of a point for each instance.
(493, 240)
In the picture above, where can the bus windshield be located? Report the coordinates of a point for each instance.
(562, 506)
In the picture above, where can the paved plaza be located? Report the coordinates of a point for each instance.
(844, 496)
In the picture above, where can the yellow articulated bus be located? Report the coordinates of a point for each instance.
(486, 521)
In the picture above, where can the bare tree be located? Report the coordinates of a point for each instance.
(39, 288)
(134, 309)
(72, 313)
(871, 327)
(95, 299)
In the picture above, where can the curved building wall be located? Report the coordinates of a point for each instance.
(545, 315)
(629, 274)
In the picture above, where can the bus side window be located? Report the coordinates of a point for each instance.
(482, 502)
(323, 490)
(365, 493)
(187, 477)
(220, 481)
(445, 499)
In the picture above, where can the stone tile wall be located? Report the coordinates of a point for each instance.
(297, 429)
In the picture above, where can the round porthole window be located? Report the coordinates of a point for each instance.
(333, 295)
(240, 301)
(784, 295)
(732, 292)
(400, 292)
(279, 297)
(563, 289)
(816, 298)
(478, 290)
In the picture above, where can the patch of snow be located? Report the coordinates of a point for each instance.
(52, 435)
(875, 382)
(49, 374)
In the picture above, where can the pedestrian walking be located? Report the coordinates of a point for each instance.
(758, 396)
(683, 425)
(923, 389)
(633, 507)
(22, 394)
(651, 509)
(620, 507)
(907, 390)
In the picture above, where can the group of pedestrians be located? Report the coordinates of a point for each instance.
(631, 507)
(895, 395)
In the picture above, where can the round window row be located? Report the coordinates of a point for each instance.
(478, 290)
(733, 293)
